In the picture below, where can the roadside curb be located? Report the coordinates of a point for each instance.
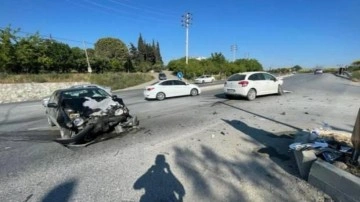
(337, 183)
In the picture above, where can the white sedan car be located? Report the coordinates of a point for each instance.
(170, 88)
(252, 84)
(205, 79)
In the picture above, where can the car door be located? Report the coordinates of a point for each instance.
(271, 86)
(53, 111)
(181, 88)
(258, 82)
(167, 87)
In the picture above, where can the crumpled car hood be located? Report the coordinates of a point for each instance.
(100, 107)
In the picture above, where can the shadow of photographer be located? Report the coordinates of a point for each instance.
(159, 183)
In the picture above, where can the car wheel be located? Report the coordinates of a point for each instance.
(251, 94)
(280, 90)
(160, 96)
(50, 122)
(194, 92)
(66, 133)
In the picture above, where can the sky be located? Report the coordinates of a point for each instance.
(278, 33)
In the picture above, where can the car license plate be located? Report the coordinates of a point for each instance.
(230, 90)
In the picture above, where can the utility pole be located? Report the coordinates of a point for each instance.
(87, 58)
(186, 22)
(234, 48)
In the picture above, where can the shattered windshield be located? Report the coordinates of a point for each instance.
(82, 93)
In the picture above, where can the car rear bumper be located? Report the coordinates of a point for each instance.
(149, 95)
(235, 91)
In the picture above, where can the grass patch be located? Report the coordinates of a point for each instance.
(120, 80)
(356, 75)
(113, 80)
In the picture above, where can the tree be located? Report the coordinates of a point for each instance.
(158, 54)
(31, 55)
(296, 68)
(141, 47)
(7, 50)
(218, 58)
(77, 60)
(250, 64)
(114, 50)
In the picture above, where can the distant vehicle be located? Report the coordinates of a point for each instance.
(81, 114)
(162, 76)
(318, 71)
(205, 79)
(252, 84)
(170, 88)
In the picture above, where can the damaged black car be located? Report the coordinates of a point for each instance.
(82, 114)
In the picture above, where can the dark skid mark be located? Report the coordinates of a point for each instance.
(34, 135)
(28, 197)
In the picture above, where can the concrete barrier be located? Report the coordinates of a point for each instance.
(337, 183)
(304, 160)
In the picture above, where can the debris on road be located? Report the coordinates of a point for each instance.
(284, 113)
(331, 146)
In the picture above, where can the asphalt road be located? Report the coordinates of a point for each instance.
(204, 148)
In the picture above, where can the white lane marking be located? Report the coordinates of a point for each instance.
(38, 105)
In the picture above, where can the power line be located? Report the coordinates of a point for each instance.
(51, 37)
(128, 15)
(145, 9)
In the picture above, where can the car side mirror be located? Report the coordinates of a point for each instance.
(114, 96)
(52, 105)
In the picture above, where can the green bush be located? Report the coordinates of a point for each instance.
(356, 76)
(113, 80)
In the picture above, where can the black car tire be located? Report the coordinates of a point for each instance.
(280, 90)
(160, 96)
(251, 95)
(194, 92)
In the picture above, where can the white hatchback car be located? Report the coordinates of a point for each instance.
(252, 84)
(170, 88)
(205, 79)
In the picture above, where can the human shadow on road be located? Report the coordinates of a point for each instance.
(61, 192)
(160, 183)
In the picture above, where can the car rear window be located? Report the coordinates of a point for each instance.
(237, 77)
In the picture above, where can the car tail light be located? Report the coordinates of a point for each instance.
(150, 88)
(243, 83)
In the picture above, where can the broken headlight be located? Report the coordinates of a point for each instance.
(72, 115)
(78, 121)
(119, 112)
